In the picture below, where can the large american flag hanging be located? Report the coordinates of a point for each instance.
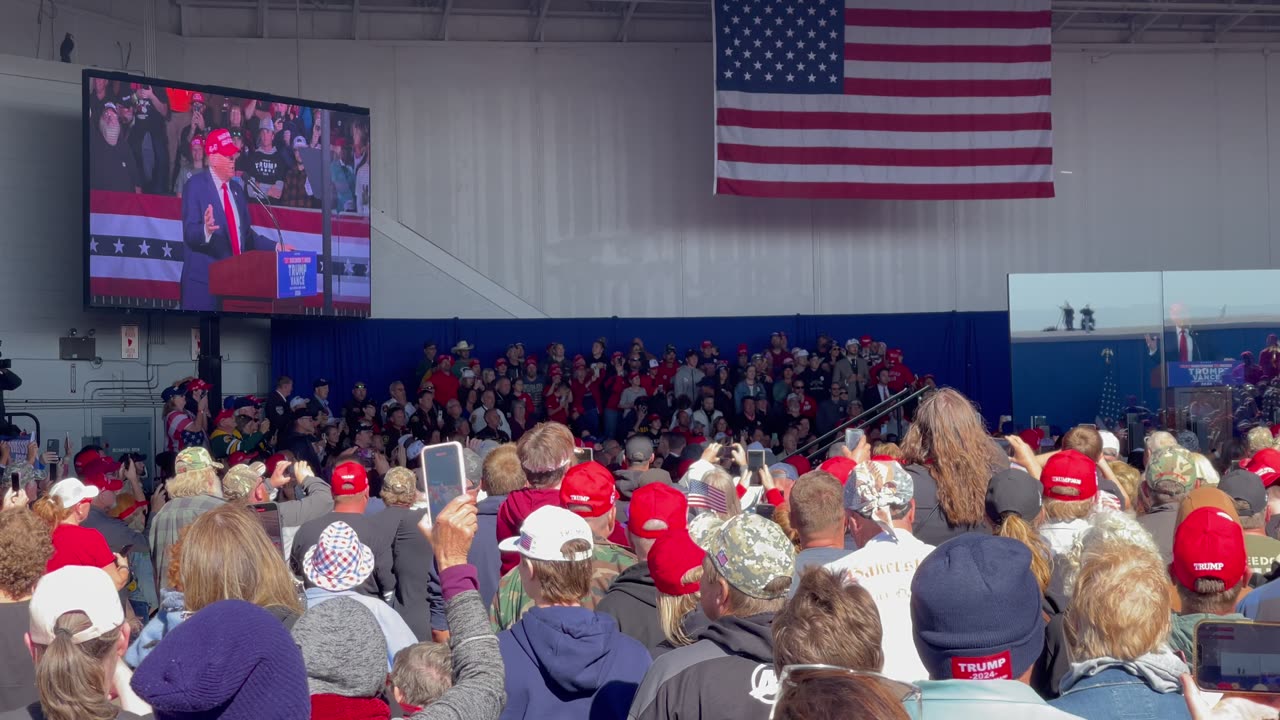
(883, 99)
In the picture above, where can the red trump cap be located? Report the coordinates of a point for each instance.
(673, 555)
(219, 143)
(1208, 544)
(657, 501)
(589, 485)
(1069, 469)
(349, 478)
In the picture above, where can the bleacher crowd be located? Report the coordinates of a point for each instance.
(622, 553)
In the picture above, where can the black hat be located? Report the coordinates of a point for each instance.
(1013, 491)
(306, 411)
(1240, 484)
(363, 427)
(319, 383)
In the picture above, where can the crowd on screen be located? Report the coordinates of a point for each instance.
(622, 555)
(151, 139)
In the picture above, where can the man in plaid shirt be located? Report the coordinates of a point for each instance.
(194, 489)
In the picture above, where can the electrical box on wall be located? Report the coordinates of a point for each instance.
(128, 435)
(77, 348)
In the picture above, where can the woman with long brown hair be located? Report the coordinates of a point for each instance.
(951, 459)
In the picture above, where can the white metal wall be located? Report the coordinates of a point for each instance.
(578, 177)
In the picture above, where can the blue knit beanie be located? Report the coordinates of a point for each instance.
(232, 661)
(975, 606)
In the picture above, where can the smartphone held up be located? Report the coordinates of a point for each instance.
(442, 476)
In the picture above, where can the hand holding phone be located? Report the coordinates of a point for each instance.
(755, 459)
(1237, 656)
(445, 477)
(852, 437)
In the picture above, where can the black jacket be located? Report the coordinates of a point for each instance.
(727, 673)
(632, 600)
(281, 417)
(1053, 664)
(382, 583)
(418, 602)
(932, 525)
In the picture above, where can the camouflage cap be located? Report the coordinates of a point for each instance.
(27, 474)
(241, 480)
(401, 481)
(750, 552)
(702, 527)
(194, 458)
(1172, 463)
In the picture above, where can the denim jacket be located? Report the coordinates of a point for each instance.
(1115, 694)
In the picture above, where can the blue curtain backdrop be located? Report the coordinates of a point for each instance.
(965, 350)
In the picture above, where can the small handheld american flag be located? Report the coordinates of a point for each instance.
(702, 495)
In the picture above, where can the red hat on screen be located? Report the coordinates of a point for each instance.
(555, 370)
(788, 361)
(197, 141)
(654, 416)
(219, 142)
(1069, 469)
(198, 384)
(671, 557)
(839, 466)
(531, 360)
(500, 362)
(742, 349)
(657, 501)
(337, 141)
(895, 353)
(349, 478)
(589, 485)
(102, 482)
(616, 354)
(865, 340)
(444, 359)
(475, 362)
(633, 376)
(1208, 544)
(579, 362)
(224, 415)
(239, 457)
(197, 98)
(706, 344)
(1265, 464)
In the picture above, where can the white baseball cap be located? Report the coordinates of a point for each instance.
(70, 492)
(75, 588)
(1109, 442)
(544, 532)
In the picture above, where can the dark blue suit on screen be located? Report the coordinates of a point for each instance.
(198, 193)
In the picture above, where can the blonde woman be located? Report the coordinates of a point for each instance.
(1117, 629)
(224, 555)
(64, 508)
(675, 562)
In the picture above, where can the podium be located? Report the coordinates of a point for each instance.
(263, 281)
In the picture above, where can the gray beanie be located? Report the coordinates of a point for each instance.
(344, 649)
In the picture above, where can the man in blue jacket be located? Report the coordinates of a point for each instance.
(562, 660)
(215, 220)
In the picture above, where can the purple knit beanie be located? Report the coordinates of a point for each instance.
(231, 660)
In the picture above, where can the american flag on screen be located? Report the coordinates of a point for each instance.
(883, 99)
(136, 250)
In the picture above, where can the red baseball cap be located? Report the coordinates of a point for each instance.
(224, 415)
(531, 360)
(706, 344)
(590, 484)
(579, 361)
(616, 354)
(895, 353)
(1208, 544)
(82, 459)
(742, 349)
(500, 361)
(219, 143)
(555, 370)
(349, 478)
(96, 478)
(443, 359)
(671, 556)
(1265, 464)
(657, 501)
(865, 340)
(475, 362)
(198, 384)
(240, 456)
(1032, 437)
(1069, 469)
(273, 461)
(842, 467)
(101, 464)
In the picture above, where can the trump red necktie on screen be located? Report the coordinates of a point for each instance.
(884, 99)
(231, 220)
(1183, 355)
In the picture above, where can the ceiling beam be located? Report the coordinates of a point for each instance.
(1228, 26)
(262, 19)
(444, 20)
(627, 14)
(1139, 28)
(539, 30)
(355, 19)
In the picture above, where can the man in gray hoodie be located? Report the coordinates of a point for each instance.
(638, 471)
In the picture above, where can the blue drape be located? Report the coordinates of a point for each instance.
(965, 350)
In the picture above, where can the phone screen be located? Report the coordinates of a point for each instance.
(269, 515)
(51, 446)
(445, 478)
(755, 459)
(584, 455)
(853, 437)
(1238, 656)
(14, 480)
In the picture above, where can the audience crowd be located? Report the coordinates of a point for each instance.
(640, 540)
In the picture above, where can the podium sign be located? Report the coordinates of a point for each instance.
(1200, 374)
(295, 274)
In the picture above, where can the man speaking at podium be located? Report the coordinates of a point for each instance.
(215, 220)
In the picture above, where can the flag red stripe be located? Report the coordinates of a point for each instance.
(889, 157)
(948, 19)
(946, 88)
(170, 208)
(948, 53)
(773, 120)
(879, 191)
(140, 289)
